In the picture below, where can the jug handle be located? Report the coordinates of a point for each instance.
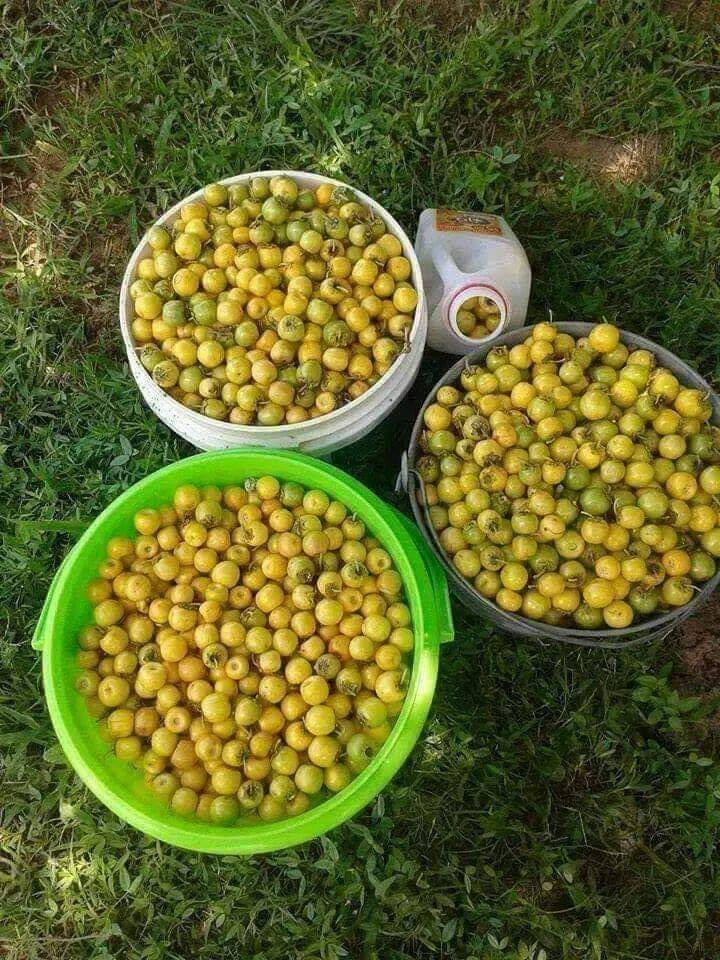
(446, 267)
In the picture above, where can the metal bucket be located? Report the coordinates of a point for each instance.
(653, 628)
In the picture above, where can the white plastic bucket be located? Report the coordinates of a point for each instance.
(320, 436)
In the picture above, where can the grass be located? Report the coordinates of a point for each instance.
(560, 803)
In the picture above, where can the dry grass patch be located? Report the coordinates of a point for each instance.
(626, 161)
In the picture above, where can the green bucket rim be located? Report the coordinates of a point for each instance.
(427, 594)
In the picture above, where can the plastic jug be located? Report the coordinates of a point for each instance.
(476, 277)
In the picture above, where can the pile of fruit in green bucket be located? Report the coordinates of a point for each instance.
(242, 640)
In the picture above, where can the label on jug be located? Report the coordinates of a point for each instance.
(467, 221)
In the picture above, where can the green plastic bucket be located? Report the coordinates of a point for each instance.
(119, 785)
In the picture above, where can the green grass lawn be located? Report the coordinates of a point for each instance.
(561, 803)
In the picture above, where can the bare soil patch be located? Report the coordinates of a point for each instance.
(696, 655)
(626, 161)
(23, 179)
(65, 87)
(698, 650)
(20, 245)
(700, 12)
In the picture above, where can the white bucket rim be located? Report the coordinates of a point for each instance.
(146, 382)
